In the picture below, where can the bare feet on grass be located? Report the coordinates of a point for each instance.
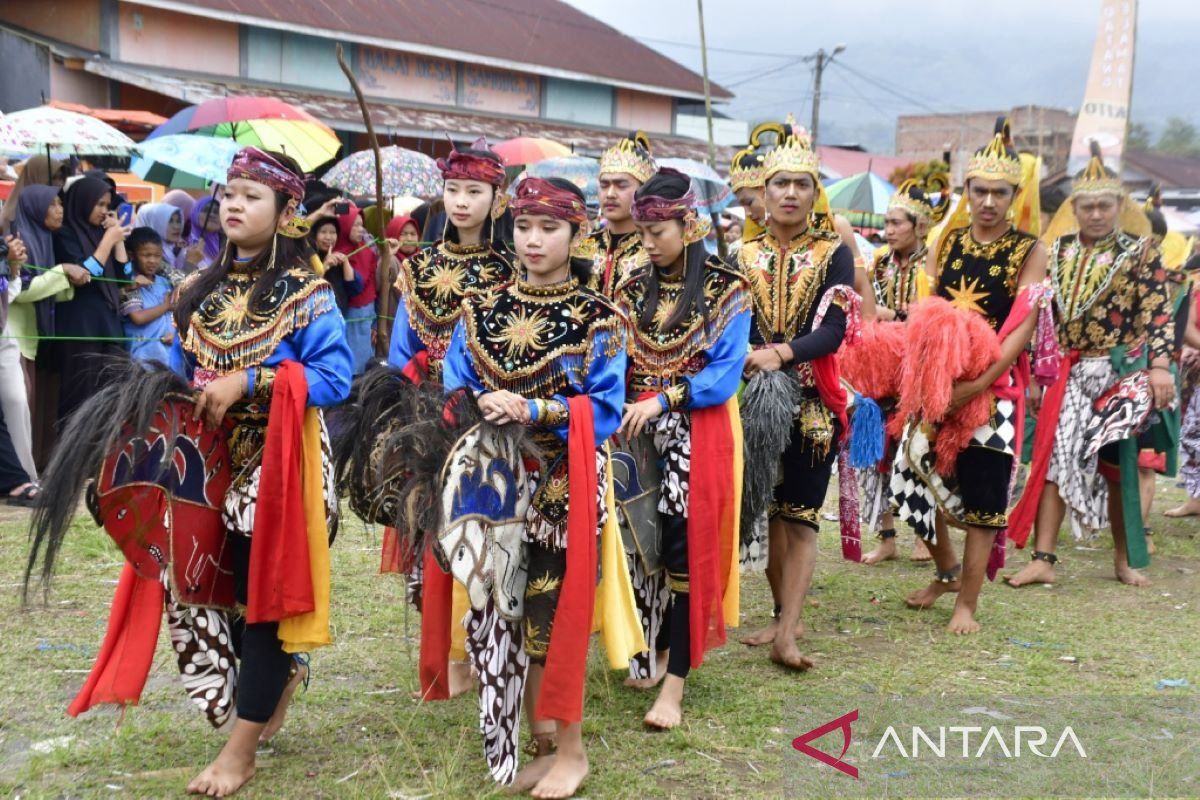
(1036, 571)
(962, 621)
(1130, 576)
(884, 551)
(785, 653)
(660, 669)
(925, 598)
(224, 776)
(667, 711)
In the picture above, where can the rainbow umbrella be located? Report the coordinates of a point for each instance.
(267, 123)
(405, 173)
(529, 150)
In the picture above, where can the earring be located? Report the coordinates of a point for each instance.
(274, 248)
(1008, 215)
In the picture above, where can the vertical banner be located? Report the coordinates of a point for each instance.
(1104, 115)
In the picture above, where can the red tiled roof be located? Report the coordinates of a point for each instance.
(543, 34)
(342, 111)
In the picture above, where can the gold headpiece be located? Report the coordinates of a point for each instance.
(996, 161)
(915, 204)
(794, 153)
(1095, 177)
(631, 155)
(747, 170)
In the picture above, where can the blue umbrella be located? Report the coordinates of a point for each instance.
(712, 192)
(184, 161)
(579, 170)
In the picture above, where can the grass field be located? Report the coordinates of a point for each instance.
(1088, 651)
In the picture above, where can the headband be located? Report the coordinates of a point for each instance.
(470, 167)
(252, 164)
(653, 208)
(540, 197)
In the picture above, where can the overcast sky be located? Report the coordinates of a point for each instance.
(915, 56)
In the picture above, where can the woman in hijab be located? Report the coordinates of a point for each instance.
(167, 221)
(89, 325)
(353, 240)
(37, 170)
(185, 203)
(204, 241)
(338, 273)
(403, 240)
(43, 282)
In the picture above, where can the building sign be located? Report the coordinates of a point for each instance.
(501, 91)
(1104, 115)
(388, 73)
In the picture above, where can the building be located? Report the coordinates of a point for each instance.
(1036, 129)
(429, 69)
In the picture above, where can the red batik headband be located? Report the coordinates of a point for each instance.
(540, 197)
(469, 167)
(253, 164)
(653, 208)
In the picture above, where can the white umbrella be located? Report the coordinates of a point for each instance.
(50, 130)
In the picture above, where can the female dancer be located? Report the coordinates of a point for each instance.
(546, 353)
(263, 347)
(431, 289)
(689, 329)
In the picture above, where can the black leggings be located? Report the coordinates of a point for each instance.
(264, 667)
(676, 631)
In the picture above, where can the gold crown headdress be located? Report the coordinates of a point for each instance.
(794, 153)
(996, 161)
(631, 155)
(747, 170)
(910, 197)
(1095, 177)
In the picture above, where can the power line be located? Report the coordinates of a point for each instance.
(765, 73)
(732, 50)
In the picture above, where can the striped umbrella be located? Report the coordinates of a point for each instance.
(267, 123)
(863, 198)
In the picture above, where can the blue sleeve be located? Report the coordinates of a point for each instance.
(458, 371)
(93, 266)
(604, 385)
(322, 348)
(178, 360)
(404, 343)
(719, 379)
(355, 286)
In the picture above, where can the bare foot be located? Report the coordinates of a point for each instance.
(1130, 576)
(564, 777)
(798, 631)
(920, 551)
(962, 622)
(925, 598)
(762, 636)
(1036, 571)
(1150, 548)
(667, 711)
(786, 654)
(224, 776)
(285, 699)
(884, 551)
(1189, 509)
(531, 774)
(660, 670)
(461, 678)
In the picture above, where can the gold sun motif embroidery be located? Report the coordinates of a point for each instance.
(967, 295)
(446, 280)
(523, 331)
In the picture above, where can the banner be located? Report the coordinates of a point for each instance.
(1104, 115)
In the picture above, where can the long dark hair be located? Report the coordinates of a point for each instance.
(489, 224)
(288, 254)
(673, 187)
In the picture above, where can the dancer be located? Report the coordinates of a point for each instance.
(615, 249)
(1116, 315)
(431, 289)
(895, 274)
(984, 266)
(546, 353)
(800, 276)
(689, 323)
(262, 349)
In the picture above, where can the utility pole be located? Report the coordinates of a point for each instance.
(820, 60)
(712, 147)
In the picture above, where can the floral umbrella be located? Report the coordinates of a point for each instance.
(64, 133)
(8, 138)
(405, 173)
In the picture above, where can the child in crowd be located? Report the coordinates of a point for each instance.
(146, 305)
